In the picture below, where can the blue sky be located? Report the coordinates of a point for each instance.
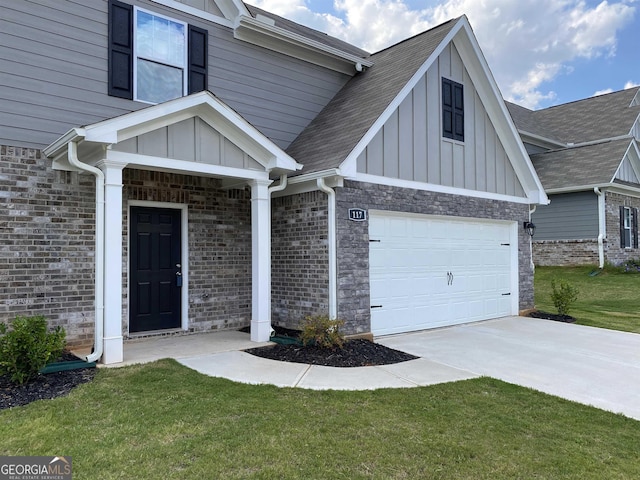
(541, 52)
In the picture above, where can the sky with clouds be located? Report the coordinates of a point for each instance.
(541, 52)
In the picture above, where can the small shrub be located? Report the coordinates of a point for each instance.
(563, 295)
(321, 331)
(27, 347)
(631, 266)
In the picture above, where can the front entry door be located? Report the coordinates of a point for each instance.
(155, 270)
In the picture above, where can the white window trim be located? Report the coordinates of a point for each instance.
(185, 66)
(627, 225)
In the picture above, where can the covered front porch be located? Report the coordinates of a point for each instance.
(182, 200)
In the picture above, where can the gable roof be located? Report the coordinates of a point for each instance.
(332, 135)
(605, 116)
(583, 166)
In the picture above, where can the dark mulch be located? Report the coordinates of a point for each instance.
(355, 353)
(43, 387)
(552, 316)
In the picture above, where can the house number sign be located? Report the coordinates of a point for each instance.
(357, 214)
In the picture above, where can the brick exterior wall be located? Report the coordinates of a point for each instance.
(219, 245)
(585, 252)
(614, 253)
(565, 252)
(46, 243)
(353, 239)
(300, 261)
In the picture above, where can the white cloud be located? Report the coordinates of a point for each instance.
(526, 42)
(602, 92)
(631, 84)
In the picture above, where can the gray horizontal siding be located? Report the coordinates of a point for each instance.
(569, 216)
(53, 74)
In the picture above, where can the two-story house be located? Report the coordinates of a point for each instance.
(173, 167)
(587, 156)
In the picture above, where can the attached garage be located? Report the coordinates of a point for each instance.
(434, 271)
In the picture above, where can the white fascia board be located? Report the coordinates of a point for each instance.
(149, 162)
(350, 163)
(474, 61)
(275, 38)
(578, 188)
(309, 182)
(231, 9)
(540, 140)
(196, 12)
(59, 146)
(431, 187)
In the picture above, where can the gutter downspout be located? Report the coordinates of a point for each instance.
(531, 212)
(602, 226)
(332, 249)
(72, 150)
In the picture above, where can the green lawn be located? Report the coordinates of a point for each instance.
(608, 300)
(163, 420)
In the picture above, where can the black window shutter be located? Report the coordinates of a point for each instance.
(634, 226)
(622, 245)
(452, 110)
(198, 52)
(447, 108)
(120, 49)
(458, 112)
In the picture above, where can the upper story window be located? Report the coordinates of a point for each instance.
(452, 110)
(160, 48)
(153, 58)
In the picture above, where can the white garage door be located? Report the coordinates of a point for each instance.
(428, 271)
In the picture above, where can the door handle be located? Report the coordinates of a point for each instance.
(178, 275)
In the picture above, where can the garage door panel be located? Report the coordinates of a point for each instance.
(435, 271)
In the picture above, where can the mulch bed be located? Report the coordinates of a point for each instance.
(552, 316)
(355, 353)
(43, 387)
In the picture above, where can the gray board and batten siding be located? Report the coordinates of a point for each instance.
(569, 216)
(191, 140)
(410, 145)
(54, 71)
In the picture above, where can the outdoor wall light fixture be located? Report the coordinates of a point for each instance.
(530, 228)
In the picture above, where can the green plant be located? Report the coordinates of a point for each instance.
(563, 295)
(321, 331)
(27, 347)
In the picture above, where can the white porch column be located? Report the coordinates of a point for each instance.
(113, 344)
(260, 261)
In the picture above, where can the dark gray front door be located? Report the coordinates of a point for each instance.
(155, 270)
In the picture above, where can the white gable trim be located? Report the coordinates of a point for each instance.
(431, 187)
(461, 35)
(203, 105)
(196, 12)
(632, 154)
(349, 164)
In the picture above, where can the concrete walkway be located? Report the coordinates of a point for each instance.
(589, 365)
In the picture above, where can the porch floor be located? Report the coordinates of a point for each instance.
(182, 346)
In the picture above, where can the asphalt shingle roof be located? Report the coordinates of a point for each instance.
(595, 118)
(580, 166)
(331, 136)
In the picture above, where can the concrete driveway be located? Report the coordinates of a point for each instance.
(588, 365)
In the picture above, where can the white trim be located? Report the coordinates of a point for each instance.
(352, 158)
(184, 254)
(515, 271)
(184, 166)
(183, 67)
(430, 187)
(257, 32)
(196, 12)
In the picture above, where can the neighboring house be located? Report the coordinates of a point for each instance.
(587, 157)
(179, 167)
